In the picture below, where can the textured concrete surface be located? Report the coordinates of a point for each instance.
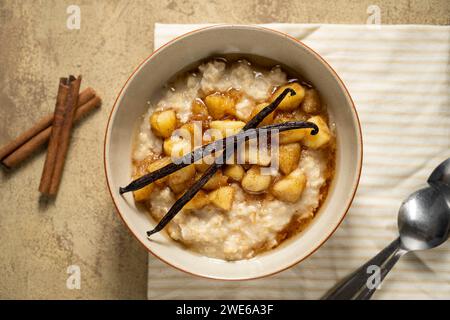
(40, 241)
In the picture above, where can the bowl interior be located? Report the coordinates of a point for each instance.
(146, 83)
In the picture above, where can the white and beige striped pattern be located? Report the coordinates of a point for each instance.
(399, 77)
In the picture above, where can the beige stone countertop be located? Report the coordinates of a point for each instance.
(40, 241)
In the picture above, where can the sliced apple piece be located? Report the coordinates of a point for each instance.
(222, 198)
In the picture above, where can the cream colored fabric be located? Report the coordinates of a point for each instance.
(399, 78)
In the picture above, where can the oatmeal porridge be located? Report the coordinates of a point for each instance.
(240, 211)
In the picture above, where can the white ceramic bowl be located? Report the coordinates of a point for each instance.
(147, 80)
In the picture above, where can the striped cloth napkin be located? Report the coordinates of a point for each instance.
(399, 78)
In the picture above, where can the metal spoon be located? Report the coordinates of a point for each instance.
(423, 223)
(440, 178)
(441, 175)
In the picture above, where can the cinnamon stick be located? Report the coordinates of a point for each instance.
(72, 102)
(60, 136)
(44, 123)
(26, 149)
(52, 149)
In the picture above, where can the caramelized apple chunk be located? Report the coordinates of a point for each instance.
(321, 138)
(219, 105)
(204, 163)
(290, 102)
(216, 181)
(234, 171)
(267, 120)
(311, 102)
(200, 200)
(249, 153)
(199, 108)
(290, 188)
(227, 127)
(144, 193)
(291, 135)
(178, 188)
(289, 156)
(176, 147)
(222, 198)
(182, 175)
(158, 164)
(254, 182)
(163, 123)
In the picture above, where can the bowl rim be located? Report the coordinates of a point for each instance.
(354, 111)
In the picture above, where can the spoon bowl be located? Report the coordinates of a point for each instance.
(424, 220)
(441, 175)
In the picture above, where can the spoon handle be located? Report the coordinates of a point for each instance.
(366, 292)
(356, 285)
